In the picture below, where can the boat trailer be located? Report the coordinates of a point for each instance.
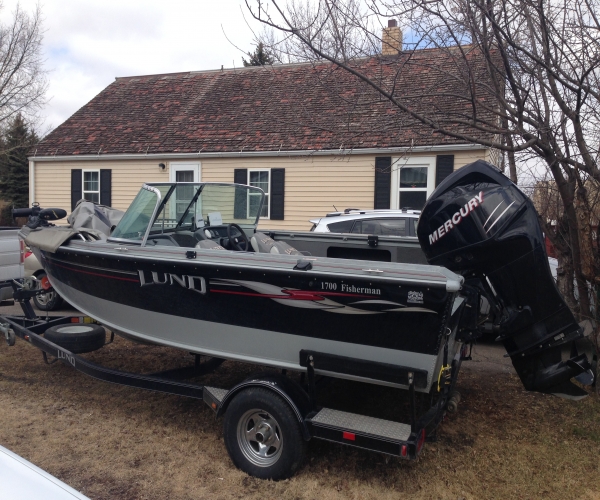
(299, 420)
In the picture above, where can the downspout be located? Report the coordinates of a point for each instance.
(31, 182)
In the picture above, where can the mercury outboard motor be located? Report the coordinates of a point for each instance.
(480, 224)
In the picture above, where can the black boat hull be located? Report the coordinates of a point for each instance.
(250, 311)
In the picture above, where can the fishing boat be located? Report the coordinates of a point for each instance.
(186, 267)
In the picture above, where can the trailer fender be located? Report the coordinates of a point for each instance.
(288, 389)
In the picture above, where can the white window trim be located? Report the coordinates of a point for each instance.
(83, 190)
(268, 216)
(404, 161)
(175, 166)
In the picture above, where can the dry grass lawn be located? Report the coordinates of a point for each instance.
(120, 443)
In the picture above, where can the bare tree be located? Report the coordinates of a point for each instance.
(525, 77)
(23, 82)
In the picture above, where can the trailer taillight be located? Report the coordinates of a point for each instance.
(404, 450)
(350, 436)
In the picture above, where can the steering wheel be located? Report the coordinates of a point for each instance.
(237, 240)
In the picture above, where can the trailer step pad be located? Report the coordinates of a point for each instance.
(214, 395)
(362, 424)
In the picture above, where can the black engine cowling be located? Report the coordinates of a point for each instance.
(480, 224)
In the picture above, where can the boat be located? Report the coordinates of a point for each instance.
(186, 267)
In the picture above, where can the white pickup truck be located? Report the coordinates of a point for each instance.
(12, 253)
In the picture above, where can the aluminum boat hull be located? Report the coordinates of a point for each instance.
(257, 308)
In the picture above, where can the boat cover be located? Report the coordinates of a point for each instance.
(50, 238)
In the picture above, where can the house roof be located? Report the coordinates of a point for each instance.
(293, 107)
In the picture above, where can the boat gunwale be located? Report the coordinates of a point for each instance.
(438, 279)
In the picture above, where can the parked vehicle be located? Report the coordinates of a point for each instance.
(11, 260)
(379, 222)
(186, 268)
(20, 479)
(49, 300)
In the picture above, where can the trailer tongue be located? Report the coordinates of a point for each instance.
(479, 224)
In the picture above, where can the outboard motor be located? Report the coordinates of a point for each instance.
(480, 224)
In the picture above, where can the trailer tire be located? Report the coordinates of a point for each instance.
(257, 416)
(76, 337)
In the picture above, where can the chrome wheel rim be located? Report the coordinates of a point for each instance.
(259, 438)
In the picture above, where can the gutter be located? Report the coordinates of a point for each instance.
(255, 154)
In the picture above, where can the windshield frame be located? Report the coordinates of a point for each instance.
(160, 202)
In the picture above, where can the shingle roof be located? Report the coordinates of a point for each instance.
(286, 107)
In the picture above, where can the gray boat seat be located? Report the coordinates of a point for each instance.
(209, 245)
(265, 244)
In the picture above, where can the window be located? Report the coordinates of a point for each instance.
(260, 179)
(91, 185)
(341, 227)
(272, 180)
(182, 172)
(382, 227)
(413, 180)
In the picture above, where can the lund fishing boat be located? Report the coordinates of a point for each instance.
(178, 270)
(185, 267)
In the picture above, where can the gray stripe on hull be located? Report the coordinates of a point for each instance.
(250, 345)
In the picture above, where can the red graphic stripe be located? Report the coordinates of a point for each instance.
(96, 274)
(291, 294)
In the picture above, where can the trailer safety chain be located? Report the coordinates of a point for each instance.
(445, 375)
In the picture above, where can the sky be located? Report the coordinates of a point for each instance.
(87, 43)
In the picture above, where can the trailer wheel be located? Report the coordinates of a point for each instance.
(77, 338)
(262, 435)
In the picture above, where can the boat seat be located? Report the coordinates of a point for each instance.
(263, 243)
(209, 245)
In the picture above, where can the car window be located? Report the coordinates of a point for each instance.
(383, 227)
(415, 222)
(341, 227)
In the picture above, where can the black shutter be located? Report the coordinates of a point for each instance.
(240, 176)
(383, 182)
(105, 187)
(76, 187)
(443, 168)
(277, 193)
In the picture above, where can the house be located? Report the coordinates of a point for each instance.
(312, 136)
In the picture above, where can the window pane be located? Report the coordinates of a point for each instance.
(260, 180)
(341, 227)
(184, 176)
(392, 227)
(371, 226)
(265, 209)
(413, 199)
(91, 181)
(95, 197)
(253, 203)
(413, 177)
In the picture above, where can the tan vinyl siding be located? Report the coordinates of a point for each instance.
(462, 158)
(313, 184)
(53, 180)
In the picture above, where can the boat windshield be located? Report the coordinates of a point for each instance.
(189, 206)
